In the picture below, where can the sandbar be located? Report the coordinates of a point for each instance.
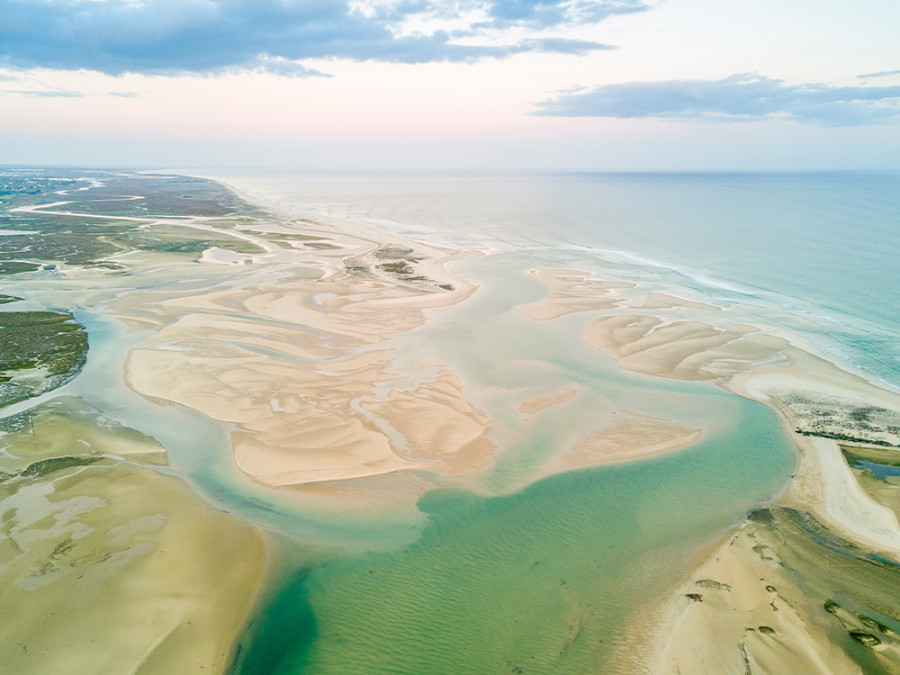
(631, 436)
(538, 404)
(108, 562)
(571, 291)
(297, 371)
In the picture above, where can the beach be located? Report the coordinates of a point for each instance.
(369, 380)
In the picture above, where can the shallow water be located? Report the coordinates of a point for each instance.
(544, 579)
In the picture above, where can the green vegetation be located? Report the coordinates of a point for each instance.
(876, 455)
(402, 270)
(25, 182)
(16, 266)
(847, 438)
(51, 340)
(390, 251)
(53, 343)
(843, 420)
(47, 466)
(59, 239)
(400, 267)
(158, 196)
(8, 298)
(36, 239)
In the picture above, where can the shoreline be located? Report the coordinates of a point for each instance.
(666, 339)
(299, 351)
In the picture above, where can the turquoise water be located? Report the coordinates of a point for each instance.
(544, 579)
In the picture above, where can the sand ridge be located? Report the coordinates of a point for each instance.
(661, 300)
(630, 436)
(538, 404)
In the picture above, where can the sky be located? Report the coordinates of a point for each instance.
(679, 85)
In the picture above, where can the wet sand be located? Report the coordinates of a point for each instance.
(572, 291)
(107, 561)
(538, 404)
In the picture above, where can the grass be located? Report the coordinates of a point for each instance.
(51, 341)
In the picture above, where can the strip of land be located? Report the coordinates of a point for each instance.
(572, 291)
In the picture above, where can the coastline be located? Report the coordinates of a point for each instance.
(296, 350)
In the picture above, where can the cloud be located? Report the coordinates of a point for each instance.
(883, 73)
(739, 98)
(46, 93)
(279, 66)
(566, 46)
(547, 13)
(170, 37)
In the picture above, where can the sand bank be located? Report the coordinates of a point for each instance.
(687, 350)
(538, 404)
(817, 401)
(742, 611)
(628, 437)
(660, 300)
(297, 373)
(106, 564)
(441, 429)
(572, 291)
